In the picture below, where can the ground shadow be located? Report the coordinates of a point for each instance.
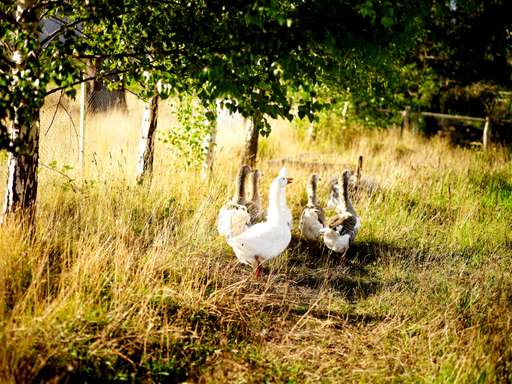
(339, 318)
(352, 287)
(311, 265)
(315, 255)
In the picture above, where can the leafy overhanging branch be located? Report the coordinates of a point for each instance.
(90, 78)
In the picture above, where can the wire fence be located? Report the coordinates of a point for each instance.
(63, 126)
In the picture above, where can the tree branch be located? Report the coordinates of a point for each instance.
(43, 4)
(54, 113)
(112, 56)
(70, 179)
(101, 76)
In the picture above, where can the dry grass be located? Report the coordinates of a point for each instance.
(127, 284)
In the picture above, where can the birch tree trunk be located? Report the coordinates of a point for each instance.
(312, 131)
(486, 139)
(147, 141)
(21, 188)
(251, 143)
(211, 142)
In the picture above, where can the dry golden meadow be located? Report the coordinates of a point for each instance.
(123, 283)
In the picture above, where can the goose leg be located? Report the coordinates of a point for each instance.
(258, 270)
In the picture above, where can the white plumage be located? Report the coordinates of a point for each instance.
(343, 227)
(268, 239)
(233, 219)
(312, 219)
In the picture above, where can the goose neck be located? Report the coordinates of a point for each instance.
(276, 202)
(311, 189)
(255, 189)
(346, 203)
(240, 186)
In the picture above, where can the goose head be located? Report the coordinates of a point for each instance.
(283, 175)
(345, 177)
(359, 167)
(314, 179)
(277, 194)
(256, 176)
(334, 184)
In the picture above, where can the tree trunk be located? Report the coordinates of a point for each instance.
(147, 141)
(21, 189)
(251, 143)
(99, 98)
(81, 142)
(486, 139)
(406, 119)
(312, 131)
(211, 141)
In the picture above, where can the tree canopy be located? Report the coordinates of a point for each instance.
(256, 55)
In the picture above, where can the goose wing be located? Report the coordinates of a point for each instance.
(321, 216)
(232, 219)
(255, 212)
(262, 240)
(311, 222)
(317, 211)
(344, 223)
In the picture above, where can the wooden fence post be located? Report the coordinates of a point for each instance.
(406, 118)
(487, 132)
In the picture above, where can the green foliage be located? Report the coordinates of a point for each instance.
(69, 182)
(256, 56)
(190, 135)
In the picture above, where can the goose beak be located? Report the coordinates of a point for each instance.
(289, 180)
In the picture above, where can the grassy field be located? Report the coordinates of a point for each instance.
(129, 284)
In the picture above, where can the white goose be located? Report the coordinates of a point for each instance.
(312, 219)
(268, 239)
(343, 227)
(233, 217)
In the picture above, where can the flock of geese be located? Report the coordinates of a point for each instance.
(257, 235)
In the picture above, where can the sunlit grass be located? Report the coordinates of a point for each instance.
(132, 283)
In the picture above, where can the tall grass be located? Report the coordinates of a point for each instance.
(128, 283)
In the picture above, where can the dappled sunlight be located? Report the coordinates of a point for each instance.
(112, 261)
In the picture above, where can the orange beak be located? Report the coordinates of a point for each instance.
(289, 180)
